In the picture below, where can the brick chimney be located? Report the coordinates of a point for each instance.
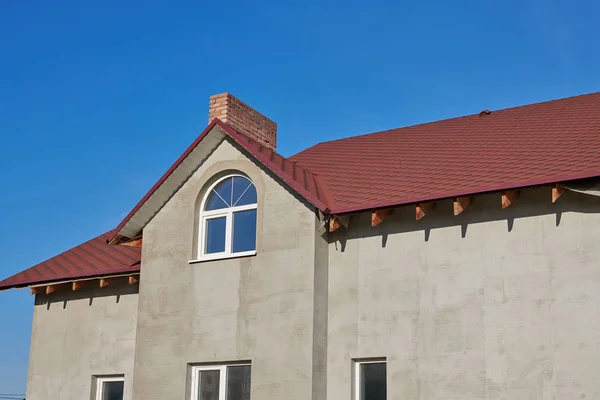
(243, 118)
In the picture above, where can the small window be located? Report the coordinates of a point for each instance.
(221, 382)
(370, 380)
(227, 223)
(110, 388)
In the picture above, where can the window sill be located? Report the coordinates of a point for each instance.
(214, 257)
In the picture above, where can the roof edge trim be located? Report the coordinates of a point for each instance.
(117, 236)
(73, 279)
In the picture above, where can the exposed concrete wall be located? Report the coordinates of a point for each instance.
(77, 335)
(490, 304)
(321, 287)
(256, 308)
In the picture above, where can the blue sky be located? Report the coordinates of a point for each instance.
(97, 100)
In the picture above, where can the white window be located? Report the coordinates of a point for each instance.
(228, 219)
(221, 382)
(110, 387)
(370, 380)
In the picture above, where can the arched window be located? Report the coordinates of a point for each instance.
(228, 219)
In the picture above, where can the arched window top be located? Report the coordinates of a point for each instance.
(228, 219)
(232, 191)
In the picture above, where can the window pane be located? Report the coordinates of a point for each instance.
(238, 382)
(215, 235)
(225, 190)
(214, 202)
(249, 197)
(208, 385)
(112, 390)
(244, 231)
(373, 381)
(241, 185)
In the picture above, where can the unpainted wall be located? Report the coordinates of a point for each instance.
(257, 309)
(490, 304)
(77, 335)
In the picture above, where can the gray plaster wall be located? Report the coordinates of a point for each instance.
(257, 309)
(490, 304)
(78, 335)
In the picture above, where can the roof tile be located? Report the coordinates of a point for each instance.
(516, 147)
(92, 258)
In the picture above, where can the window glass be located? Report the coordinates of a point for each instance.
(244, 230)
(111, 390)
(215, 202)
(208, 385)
(215, 235)
(241, 185)
(372, 381)
(248, 197)
(225, 190)
(238, 382)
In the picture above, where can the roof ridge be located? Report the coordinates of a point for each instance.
(449, 119)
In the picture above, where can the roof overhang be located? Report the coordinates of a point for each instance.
(170, 182)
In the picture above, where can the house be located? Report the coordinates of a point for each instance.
(457, 259)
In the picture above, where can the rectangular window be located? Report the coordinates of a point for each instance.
(215, 235)
(110, 387)
(370, 380)
(244, 231)
(221, 382)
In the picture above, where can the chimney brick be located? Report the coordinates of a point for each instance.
(243, 118)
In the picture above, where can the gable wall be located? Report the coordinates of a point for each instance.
(256, 308)
(509, 311)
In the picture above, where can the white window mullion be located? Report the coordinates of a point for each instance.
(195, 383)
(229, 233)
(202, 237)
(222, 383)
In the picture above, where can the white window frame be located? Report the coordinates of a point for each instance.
(204, 216)
(100, 380)
(357, 365)
(222, 368)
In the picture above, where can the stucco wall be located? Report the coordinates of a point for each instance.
(490, 304)
(76, 335)
(257, 309)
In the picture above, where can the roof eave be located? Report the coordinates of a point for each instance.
(349, 210)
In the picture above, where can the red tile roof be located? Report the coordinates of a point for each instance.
(93, 258)
(517, 147)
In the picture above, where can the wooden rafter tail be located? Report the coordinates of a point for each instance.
(104, 282)
(462, 203)
(137, 242)
(36, 290)
(557, 191)
(132, 279)
(509, 197)
(334, 223)
(77, 285)
(422, 209)
(50, 288)
(377, 216)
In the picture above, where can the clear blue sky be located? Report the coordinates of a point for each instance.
(96, 102)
